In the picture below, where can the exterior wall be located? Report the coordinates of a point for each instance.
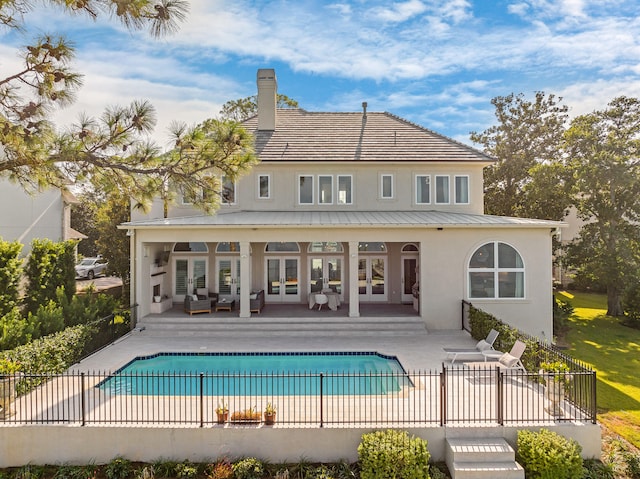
(24, 217)
(41, 445)
(365, 187)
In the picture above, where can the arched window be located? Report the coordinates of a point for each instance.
(409, 248)
(225, 247)
(325, 247)
(372, 247)
(191, 247)
(282, 247)
(496, 270)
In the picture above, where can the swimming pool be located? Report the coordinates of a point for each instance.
(259, 374)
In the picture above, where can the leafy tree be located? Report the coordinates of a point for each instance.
(112, 150)
(83, 219)
(526, 141)
(50, 266)
(602, 150)
(244, 108)
(10, 274)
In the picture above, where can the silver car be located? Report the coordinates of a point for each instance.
(91, 267)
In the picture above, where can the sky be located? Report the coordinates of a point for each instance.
(437, 63)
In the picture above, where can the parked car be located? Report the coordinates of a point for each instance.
(91, 267)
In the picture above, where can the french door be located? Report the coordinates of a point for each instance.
(372, 284)
(190, 274)
(409, 277)
(326, 273)
(282, 280)
(228, 277)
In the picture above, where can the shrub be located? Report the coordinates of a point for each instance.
(10, 274)
(631, 305)
(593, 469)
(547, 455)
(632, 462)
(220, 470)
(186, 470)
(562, 311)
(393, 454)
(118, 468)
(248, 468)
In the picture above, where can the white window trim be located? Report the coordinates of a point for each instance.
(268, 176)
(435, 190)
(496, 270)
(332, 189)
(312, 189)
(415, 185)
(382, 177)
(338, 189)
(455, 190)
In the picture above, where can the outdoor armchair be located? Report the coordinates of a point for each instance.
(194, 305)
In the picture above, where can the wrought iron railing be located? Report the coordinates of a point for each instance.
(475, 394)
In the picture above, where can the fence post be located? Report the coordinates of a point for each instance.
(201, 399)
(82, 399)
(321, 401)
(594, 409)
(443, 396)
(500, 396)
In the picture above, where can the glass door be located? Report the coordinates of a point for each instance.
(228, 277)
(190, 274)
(409, 277)
(371, 278)
(282, 280)
(325, 273)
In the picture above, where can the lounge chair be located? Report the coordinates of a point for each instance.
(507, 361)
(482, 345)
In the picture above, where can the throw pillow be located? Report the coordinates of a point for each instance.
(507, 360)
(194, 297)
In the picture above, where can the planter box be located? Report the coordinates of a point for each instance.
(162, 306)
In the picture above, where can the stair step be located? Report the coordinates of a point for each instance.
(487, 470)
(474, 450)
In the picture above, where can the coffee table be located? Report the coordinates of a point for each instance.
(225, 305)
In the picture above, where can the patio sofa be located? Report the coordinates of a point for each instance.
(194, 305)
(256, 301)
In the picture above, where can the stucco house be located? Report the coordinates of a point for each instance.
(361, 204)
(44, 214)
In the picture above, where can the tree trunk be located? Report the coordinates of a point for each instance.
(614, 306)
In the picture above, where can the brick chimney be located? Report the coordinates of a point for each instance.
(267, 99)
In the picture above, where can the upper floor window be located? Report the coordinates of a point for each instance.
(386, 186)
(305, 189)
(325, 189)
(442, 190)
(496, 270)
(423, 189)
(344, 190)
(462, 189)
(282, 247)
(264, 187)
(227, 191)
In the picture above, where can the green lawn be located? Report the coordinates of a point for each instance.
(613, 350)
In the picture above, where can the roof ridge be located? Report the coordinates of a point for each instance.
(445, 137)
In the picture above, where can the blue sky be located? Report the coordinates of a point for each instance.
(437, 63)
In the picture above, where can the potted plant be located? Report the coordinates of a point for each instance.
(270, 414)
(222, 412)
(556, 377)
(246, 415)
(8, 378)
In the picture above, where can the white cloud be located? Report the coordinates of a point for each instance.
(399, 12)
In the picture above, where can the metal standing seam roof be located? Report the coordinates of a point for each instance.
(338, 219)
(377, 137)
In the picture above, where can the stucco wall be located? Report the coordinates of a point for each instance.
(99, 445)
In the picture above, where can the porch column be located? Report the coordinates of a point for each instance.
(422, 279)
(354, 299)
(245, 280)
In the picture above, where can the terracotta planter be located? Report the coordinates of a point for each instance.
(222, 417)
(269, 419)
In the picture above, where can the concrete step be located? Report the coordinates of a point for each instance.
(482, 458)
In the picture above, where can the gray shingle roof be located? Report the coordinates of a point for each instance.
(392, 219)
(309, 136)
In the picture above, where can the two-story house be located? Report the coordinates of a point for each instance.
(364, 204)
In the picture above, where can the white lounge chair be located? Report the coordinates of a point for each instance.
(510, 361)
(482, 345)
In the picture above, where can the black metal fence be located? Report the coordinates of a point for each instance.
(475, 395)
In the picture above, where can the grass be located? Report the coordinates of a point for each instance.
(613, 350)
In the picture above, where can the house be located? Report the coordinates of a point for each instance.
(363, 204)
(44, 214)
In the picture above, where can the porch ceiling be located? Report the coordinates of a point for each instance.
(305, 219)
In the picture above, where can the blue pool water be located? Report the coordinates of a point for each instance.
(259, 374)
